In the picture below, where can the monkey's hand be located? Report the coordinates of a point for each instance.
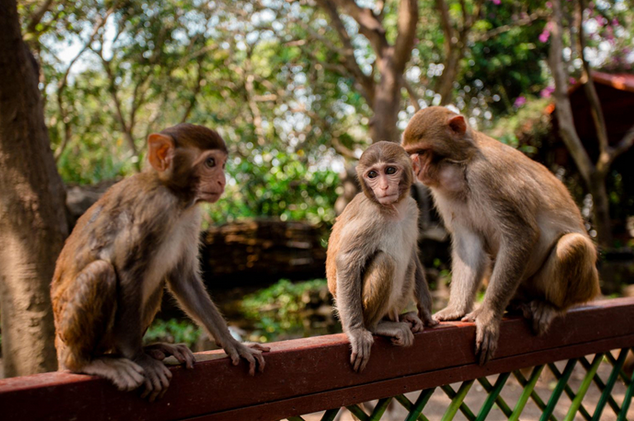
(252, 353)
(361, 341)
(487, 335)
(415, 324)
(448, 313)
(161, 351)
(157, 377)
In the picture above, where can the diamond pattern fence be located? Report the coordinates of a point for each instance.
(606, 407)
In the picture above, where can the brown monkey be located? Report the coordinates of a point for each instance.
(372, 264)
(505, 208)
(142, 234)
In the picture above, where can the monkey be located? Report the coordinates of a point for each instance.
(372, 263)
(139, 237)
(512, 222)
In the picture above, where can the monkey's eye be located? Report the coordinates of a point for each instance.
(372, 174)
(210, 162)
(390, 170)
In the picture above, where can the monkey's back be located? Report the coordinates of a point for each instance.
(106, 230)
(523, 180)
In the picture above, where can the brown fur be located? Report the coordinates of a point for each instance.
(372, 265)
(110, 276)
(501, 206)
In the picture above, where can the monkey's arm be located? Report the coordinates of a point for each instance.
(188, 288)
(421, 293)
(518, 238)
(350, 306)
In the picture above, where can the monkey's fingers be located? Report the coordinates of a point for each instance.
(260, 347)
(261, 363)
(486, 341)
(184, 355)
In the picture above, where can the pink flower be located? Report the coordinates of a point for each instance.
(543, 37)
(519, 101)
(547, 92)
(496, 2)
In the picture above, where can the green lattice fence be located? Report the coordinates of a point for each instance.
(576, 371)
(492, 405)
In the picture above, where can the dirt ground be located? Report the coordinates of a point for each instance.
(437, 405)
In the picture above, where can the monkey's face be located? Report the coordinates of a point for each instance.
(209, 171)
(383, 179)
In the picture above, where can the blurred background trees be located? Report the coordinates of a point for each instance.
(298, 88)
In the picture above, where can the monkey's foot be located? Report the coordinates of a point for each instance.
(448, 313)
(399, 332)
(124, 373)
(471, 317)
(487, 335)
(161, 351)
(157, 377)
(541, 314)
(414, 322)
(252, 353)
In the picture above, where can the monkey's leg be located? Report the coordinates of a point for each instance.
(399, 332)
(377, 287)
(469, 263)
(87, 316)
(568, 277)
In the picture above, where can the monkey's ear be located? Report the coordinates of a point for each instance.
(458, 124)
(161, 149)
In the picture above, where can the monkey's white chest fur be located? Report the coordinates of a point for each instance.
(399, 242)
(181, 240)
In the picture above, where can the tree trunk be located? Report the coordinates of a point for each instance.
(600, 209)
(33, 222)
(387, 101)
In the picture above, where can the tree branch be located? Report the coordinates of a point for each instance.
(562, 100)
(366, 82)
(36, 17)
(407, 20)
(603, 162)
(369, 25)
(505, 28)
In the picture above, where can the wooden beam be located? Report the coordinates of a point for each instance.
(312, 374)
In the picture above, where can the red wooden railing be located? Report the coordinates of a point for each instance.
(312, 374)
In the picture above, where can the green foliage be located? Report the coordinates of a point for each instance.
(280, 308)
(172, 331)
(277, 184)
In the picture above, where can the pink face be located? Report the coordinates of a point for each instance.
(383, 179)
(210, 168)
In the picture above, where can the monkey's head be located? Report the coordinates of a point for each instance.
(189, 159)
(437, 135)
(385, 173)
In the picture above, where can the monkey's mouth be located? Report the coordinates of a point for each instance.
(388, 199)
(210, 196)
